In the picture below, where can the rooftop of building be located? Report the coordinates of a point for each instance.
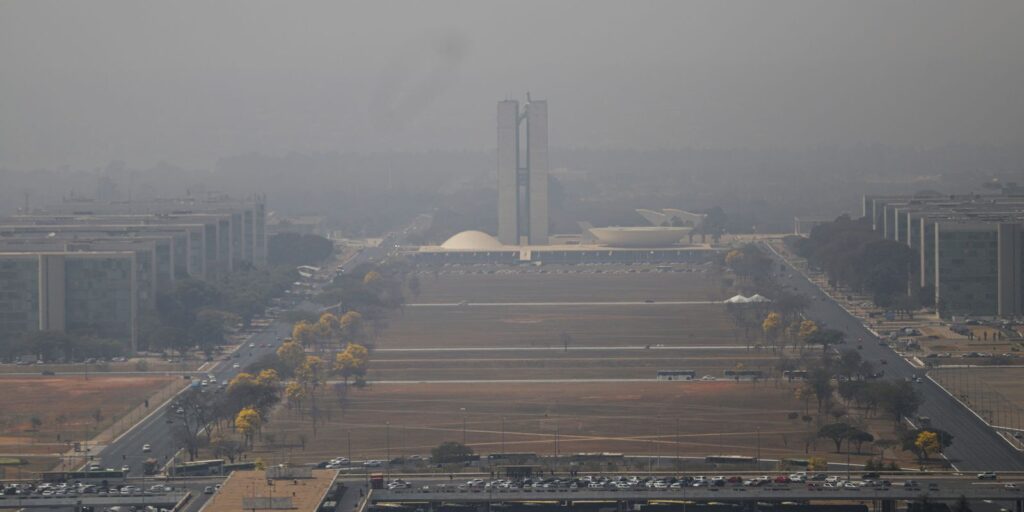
(112, 253)
(246, 491)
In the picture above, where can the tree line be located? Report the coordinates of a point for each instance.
(198, 313)
(847, 391)
(851, 253)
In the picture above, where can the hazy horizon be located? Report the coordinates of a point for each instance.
(188, 83)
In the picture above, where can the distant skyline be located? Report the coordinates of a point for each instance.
(84, 83)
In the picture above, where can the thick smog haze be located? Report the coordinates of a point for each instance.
(84, 83)
(396, 256)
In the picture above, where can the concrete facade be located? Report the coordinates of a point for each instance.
(88, 292)
(91, 267)
(522, 173)
(968, 249)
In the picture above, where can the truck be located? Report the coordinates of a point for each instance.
(376, 480)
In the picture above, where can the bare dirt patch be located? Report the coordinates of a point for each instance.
(73, 397)
(626, 417)
(542, 326)
(569, 283)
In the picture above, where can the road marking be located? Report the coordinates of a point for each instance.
(548, 304)
(561, 348)
(531, 381)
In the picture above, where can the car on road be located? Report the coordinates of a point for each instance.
(1010, 487)
(126, 469)
(988, 475)
(236, 366)
(208, 489)
(252, 345)
(146, 448)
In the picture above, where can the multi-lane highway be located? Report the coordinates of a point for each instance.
(976, 446)
(733, 493)
(156, 432)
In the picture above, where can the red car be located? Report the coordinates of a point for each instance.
(781, 479)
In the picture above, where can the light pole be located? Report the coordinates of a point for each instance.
(349, 435)
(677, 442)
(387, 448)
(503, 435)
(847, 460)
(463, 409)
(556, 444)
(757, 457)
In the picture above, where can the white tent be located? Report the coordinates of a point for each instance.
(737, 299)
(759, 298)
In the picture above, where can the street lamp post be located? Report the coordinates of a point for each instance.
(847, 460)
(463, 409)
(503, 435)
(758, 455)
(387, 448)
(556, 442)
(677, 442)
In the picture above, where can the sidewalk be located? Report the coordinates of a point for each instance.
(123, 424)
(855, 304)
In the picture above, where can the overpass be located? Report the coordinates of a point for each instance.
(160, 500)
(886, 497)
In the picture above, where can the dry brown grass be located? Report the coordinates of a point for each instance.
(628, 417)
(48, 397)
(542, 326)
(552, 286)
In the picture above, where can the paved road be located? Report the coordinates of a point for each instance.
(162, 500)
(153, 430)
(976, 447)
(786, 492)
(503, 381)
(572, 348)
(547, 304)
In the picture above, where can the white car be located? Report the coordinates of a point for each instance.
(236, 366)
(146, 448)
(126, 469)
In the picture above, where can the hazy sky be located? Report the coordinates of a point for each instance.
(86, 82)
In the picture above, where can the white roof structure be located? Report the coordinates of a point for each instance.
(647, 236)
(472, 241)
(753, 299)
(668, 216)
(654, 217)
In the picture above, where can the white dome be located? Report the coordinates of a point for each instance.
(472, 241)
(640, 236)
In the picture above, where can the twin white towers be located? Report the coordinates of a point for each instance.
(523, 172)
